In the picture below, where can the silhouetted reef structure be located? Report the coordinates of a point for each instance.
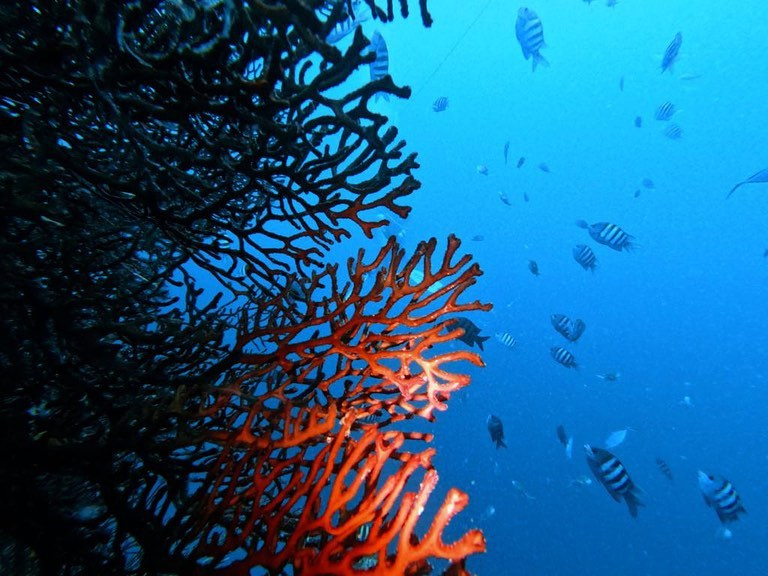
(150, 426)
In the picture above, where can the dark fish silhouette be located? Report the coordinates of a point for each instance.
(525, 196)
(664, 468)
(520, 161)
(506, 151)
(471, 334)
(758, 178)
(477, 238)
(565, 440)
(533, 267)
(638, 122)
(544, 168)
(614, 477)
(496, 430)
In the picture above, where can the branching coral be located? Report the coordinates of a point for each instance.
(150, 147)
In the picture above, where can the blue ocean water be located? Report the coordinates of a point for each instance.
(682, 318)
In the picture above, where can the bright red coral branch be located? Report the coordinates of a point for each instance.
(310, 471)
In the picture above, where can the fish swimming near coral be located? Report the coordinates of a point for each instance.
(471, 334)
(530, 35)
(349, 22)
(380, 65)
(496, 430)
(612, 474)
(506, 339)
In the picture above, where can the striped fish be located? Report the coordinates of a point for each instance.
(721, 495)
(665, 111)
(530, 34)
(348, 22)
(673, 131)
(440, 104)
(585, 257)
(670, 55)
(608, 234)
(567, 328)
(562, 356)
(380, 66)
(614, 477)
(506, 338)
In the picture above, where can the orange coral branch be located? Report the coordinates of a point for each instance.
(309, 473)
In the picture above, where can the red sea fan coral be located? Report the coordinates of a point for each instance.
(309, 471)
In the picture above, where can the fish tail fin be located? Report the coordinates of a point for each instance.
(539, 59)
(633, 501)
(500, 443)
(480, 340)
(733, 190)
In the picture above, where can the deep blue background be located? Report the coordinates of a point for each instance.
(683, 315)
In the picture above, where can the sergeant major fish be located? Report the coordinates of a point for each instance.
(349, 22)
(506, 339)
(670, 55)
(530, 35)
(567, 328)
(608, 234)
(562, 356)
(585, 257)
(380, 65)
(720, 494)
(612, 474)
